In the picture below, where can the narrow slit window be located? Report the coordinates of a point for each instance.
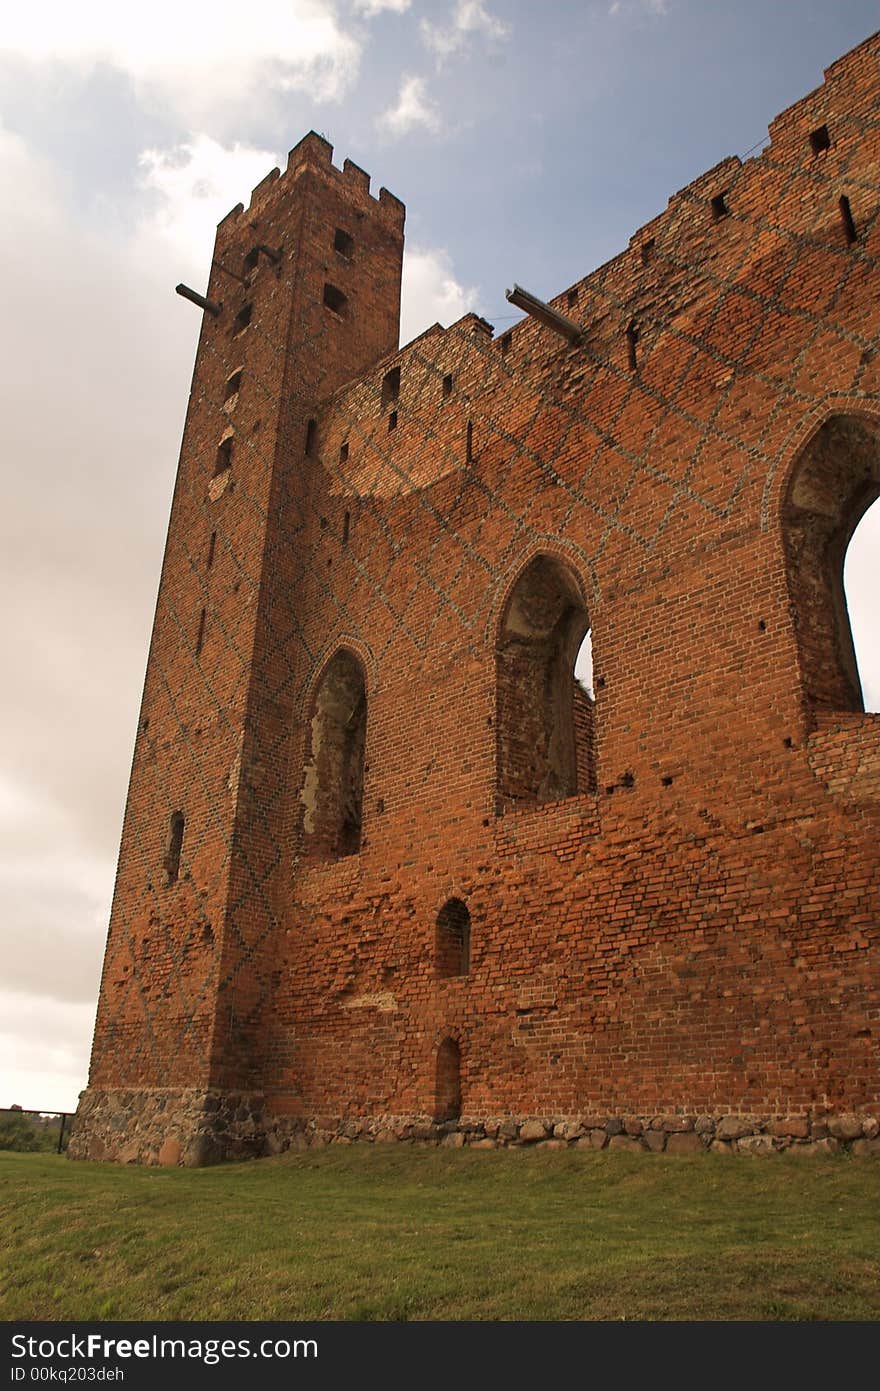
(392, 421)
(820, 140)
(233, 386)
(647, 250)
(174, 847)
(311, 430)
(252, 260)
(223, 460)
(847, 220)
(469, 442)
(242, 319)
(212, 546)
(346, 528)
(447, 385)
(632, 338)
(719, 206)
(505, 344)
(343, 452)
(200, 635)
(390, 388)
(335, 300)
(343, 242)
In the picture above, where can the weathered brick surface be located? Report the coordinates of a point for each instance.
(674, 914)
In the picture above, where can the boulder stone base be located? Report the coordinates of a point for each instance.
(195, 1127)
(169, 1126)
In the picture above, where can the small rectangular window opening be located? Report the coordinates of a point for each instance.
(505, 344)
(212, 546)
(846, 217)
(343, 452)
(335, 300)
(572, 298)
(469, 443)
(346, 527)
(175, 845)
(311, 429)
(719, 206)
(242, 319)
(820, 140)
(224, 457)
(647, 250)
(200, 636)
(252, 260)
(447, 384)
(343, 243)
(390, 388)
(233, 386)
(392, 421)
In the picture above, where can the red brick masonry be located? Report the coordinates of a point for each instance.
(385, 870)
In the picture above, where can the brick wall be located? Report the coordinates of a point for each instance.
(673, 892)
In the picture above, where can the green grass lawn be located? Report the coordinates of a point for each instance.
(399, 1232)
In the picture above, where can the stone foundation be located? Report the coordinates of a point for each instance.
(172, 1126)
(194, 1128)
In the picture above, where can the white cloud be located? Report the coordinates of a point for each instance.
(619, 7)
(204, 61)
(369, 8)
(469, 17)
(194, 185)
(430, 293)
(414, 108)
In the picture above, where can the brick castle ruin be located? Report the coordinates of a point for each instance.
(387, 869)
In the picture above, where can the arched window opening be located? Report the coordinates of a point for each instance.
(545, 725)
(447, 1087)
(834, 482)
(452, 941)
(333, 787)
(861, 583)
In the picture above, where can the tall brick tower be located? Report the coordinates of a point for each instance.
(307, 281)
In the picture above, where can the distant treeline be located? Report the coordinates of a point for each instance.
(28, 1130)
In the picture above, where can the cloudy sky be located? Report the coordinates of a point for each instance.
(528, 141)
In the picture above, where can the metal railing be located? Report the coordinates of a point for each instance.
(34, 1131)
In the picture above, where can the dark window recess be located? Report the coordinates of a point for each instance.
(846, 218)
(447, 1083)
(447, 385)
(224, 458)
(469, 442)
(505, 344)
(390, 388)
(233, 386)
(242, 319)
(452, 940)
(632, 338)
(212, 545)
(572, 298)
(200, 635)
(719, 206)
(311, 430)
(392, 421)
(333, 785)
(820, 140)
(343, 243)
(175, 845)
(252, 260)
(343, 452)
(334, 299)
(647, 250)
(545, 734)
(346, 528)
